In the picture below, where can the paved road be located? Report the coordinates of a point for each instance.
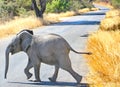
(75, 30)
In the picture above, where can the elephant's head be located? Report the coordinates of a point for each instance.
(21, 42)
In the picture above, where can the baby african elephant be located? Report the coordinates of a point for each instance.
(51, 49)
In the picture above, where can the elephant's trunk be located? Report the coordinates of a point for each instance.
(8, 50)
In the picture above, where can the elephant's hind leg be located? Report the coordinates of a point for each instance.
(65, 64)
(77, 77)
(54, 77)
(28, 67)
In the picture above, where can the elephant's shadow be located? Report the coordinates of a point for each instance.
(47, 83)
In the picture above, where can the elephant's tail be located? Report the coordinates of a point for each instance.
(88, 53)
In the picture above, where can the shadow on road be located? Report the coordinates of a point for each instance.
(82, 22)
(94, 13)
(85, 35)
(47, 83)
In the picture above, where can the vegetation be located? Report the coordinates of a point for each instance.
(16, 15)
(58, 6)
(112, 21)
(104, 63)
(31, 22)
(115, 3)
(12, 27)
(113, 13)
(11, 8)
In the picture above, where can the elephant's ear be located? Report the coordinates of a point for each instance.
(25, 40)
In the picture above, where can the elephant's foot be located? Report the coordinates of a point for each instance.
(35, 80)
(79, 79)
(29, 76)
(52, 79)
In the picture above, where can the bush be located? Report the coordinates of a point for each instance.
(75, 5)
(116, 3)
(9, 9)
(58, 6)
(6, 9)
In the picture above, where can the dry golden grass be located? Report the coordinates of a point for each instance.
(51, 18)
(104, 63)
(18, 24)
(14, 26)
(104, 4)
(112, 23)
(31, 22)
(86, 10)
(72, 13)
(68, 14)
(94, 9)
(113, 13)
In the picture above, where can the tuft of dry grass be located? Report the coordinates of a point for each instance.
(94, 9)
(104, 63)
(104, 4)
(85, 10)
(68, 14)
(12, 27)
(51, 18)
(112, 23)
(113, 13)
(71, 13)
(31, 22)
(80, 11)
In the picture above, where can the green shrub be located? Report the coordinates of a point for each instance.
(11, 8)
(58, 6)
(116, 3)
(77, 4)
(6, 10)
(65, 5)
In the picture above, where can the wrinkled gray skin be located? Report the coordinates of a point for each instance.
(51, 49)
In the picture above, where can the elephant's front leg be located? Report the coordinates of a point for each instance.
(28, 67)
(54, 77)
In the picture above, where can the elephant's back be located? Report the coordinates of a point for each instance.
(56, 40)
(48, 38)
(52, 42)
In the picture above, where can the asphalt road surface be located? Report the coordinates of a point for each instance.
(75, 30)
